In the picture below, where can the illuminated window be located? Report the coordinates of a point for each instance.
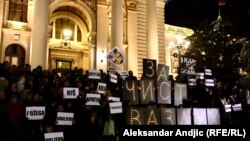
(62, 24)
(18, 10)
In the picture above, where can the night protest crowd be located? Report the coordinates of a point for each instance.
(39, 87)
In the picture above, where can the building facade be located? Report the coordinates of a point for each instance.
(63, 34)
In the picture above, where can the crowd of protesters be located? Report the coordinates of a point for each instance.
(40, 87)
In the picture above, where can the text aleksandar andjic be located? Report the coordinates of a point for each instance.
(192, 133)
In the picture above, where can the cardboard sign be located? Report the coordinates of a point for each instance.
(191, 82)
(101, 88)
(184, 116)
(199, 75)
(94, 74)
(55, 136)
(187, 65)
(113, 78)
(149, 69)
(135, 116)
(213, 116)
(228, 108)
(64, 118)
(93, 99)
(162, 72)
(70, 93)
(164, 92)
(200, 116)
(124, 74)
(147, 92)
(168, 116)
(130, 91)
(209, 82)
(152, 116)
(237, 107)
(180, 93)
(117, 99)
(208, 72)
(115, 107)
(35, 113)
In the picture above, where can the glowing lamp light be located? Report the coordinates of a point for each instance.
(67, 33)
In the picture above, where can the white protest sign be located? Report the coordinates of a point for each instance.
(180, 93)
(124, 74)
(237, 107)
(64, 118)
(199, 75)
(101, 88)
(191, 82)
(35, 113)
(117, 99)
(93, 99)
(70, 93)
(94, 74)
(200, 116)
(213, 116)
(209, 82)
(228, 108)
(208, 72)
(55, 136)
(113, 78)
(115, 107)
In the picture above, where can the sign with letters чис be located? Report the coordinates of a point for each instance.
(35, 112)
(130, 91)
(70, 93)
(164, 92)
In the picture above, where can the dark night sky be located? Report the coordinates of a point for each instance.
(191, 13)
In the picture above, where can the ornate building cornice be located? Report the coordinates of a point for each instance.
(132, 4)
(103, 2)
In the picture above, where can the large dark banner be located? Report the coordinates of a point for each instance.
(149, 69)
(162, 72)
(168, 116)
(147, 91)
(152, 116)
(135, 116)
(164, 92)
(130, 91)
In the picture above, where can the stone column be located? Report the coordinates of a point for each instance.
(92, 50)
(1, 21)
(39, 34)
(75, 33)
(54, 30)
(117, 29)
(152, 31)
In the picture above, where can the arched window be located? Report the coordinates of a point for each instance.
(18, 10)
(15, 54)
